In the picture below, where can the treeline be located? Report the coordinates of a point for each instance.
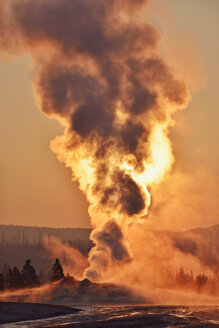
(13, 278)
(23, 235)
(15, 254)
(200, 282)
(17, 240)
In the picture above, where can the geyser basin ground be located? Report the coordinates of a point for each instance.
(132, 317)
(85, 295)
(14, 311)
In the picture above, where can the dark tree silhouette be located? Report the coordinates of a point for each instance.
(14, 279)
(201, 280)
(18, 278)
(2, 281)
(30, 278)
(181, 277)
(56, 272)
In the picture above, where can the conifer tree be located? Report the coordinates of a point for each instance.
(2, 282)
(181, 277)
(17, 278)
(56, 272)
(14, 279)
(30, 277)
(201, 280)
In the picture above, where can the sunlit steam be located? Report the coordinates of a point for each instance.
(98, 71)
(129, 162)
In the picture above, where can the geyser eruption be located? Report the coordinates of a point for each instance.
(98, 71)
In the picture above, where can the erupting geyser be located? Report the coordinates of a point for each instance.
(98, 71)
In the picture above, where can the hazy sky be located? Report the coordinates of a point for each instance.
(35, 189)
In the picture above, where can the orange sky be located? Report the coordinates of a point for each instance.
(35, 189)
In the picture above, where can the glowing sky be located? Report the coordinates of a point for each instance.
(35, 189)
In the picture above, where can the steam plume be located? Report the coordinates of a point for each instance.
(72, 260)
(98, 71)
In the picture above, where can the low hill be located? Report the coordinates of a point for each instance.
(24, 234)
(202, 243)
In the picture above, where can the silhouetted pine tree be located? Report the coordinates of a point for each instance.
(56, 272)
(2, 281)
(181, 277)
(30, 278)
(18, 278)
(14, 279)
(201, 280)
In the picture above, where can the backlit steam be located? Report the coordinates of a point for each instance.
(98, 71)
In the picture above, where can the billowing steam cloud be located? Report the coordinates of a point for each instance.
(98, 71)
(110, 249)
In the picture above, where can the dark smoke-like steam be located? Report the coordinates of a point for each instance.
(98, 72)
(110, 249)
